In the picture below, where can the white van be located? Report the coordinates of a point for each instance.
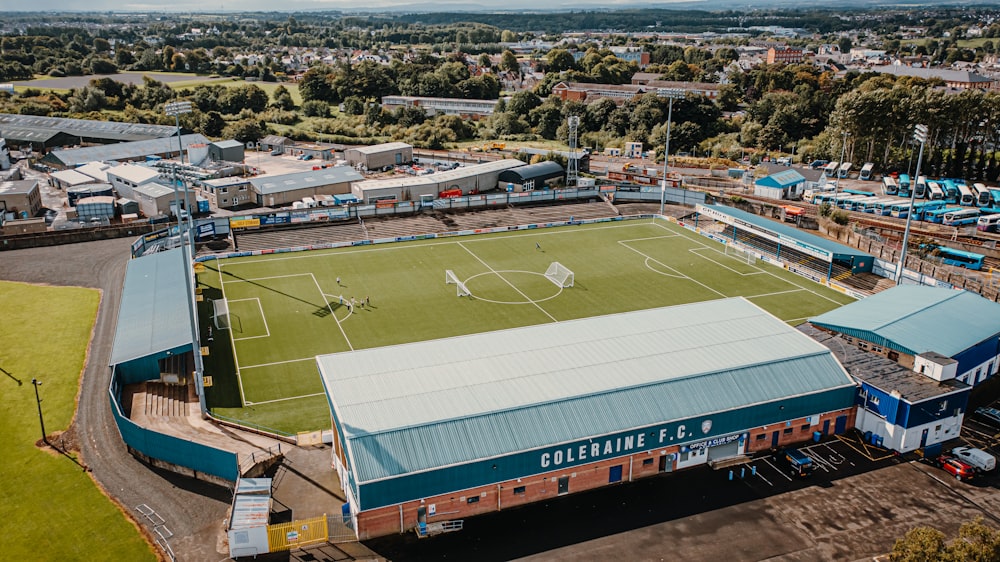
(977, 458)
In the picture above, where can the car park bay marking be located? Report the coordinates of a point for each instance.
(761, 476)
(781, 472)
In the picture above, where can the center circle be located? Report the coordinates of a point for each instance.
(510, 275)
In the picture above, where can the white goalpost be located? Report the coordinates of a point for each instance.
(450, 279)
(221, 314)
(559, 274)
(740, 254)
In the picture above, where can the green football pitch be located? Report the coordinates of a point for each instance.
(284, 309)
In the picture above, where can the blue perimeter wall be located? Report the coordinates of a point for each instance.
(181, 452)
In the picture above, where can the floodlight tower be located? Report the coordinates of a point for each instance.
(919, 135)
(671, 94)
(572, 170)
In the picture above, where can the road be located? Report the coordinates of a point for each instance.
(192, 510)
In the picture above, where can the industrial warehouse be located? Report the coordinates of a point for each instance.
(445, 429)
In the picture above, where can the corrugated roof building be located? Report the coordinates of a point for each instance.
(787, 184)
(122, 151)
(485, 421)
(45, 132)
(921, 327)
(278, 190)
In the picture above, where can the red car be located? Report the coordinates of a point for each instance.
(955, 467)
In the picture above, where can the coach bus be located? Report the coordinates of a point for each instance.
(959, 258)
(960, 218)
(988, 223)
(937, 215)
(858, 192)
(900, 210)
(934, 191)
(844, 169)
(889, 185)
(849, 202)
(866, 171)
(921, 208)
(904, 185)
(920, 187)
(966, 197)
(950, 191)
(983, 196)
(884, 207)
(830, 169)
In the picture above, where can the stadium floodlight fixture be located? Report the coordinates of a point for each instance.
(671, 94)
(919, 135)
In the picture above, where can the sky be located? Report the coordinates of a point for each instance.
(217, 6)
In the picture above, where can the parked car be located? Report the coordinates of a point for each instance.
(977, 458)
(988, 415)
(817, 164)
(955, 467)
(799, 464)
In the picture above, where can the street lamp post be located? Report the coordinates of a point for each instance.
(836, 181)
(187, 251)
(36, 383)
(671, 94)
(919, 135)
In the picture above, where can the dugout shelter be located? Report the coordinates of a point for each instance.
(440, 430)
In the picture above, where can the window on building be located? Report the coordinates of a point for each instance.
(647, 462)
(805, 427)
(473, 499)
(937, 427)
(518, 490)
(762, 437)
(243, 188)
(788, 430)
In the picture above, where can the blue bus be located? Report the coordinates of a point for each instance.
(921, 187)
(961, 218)
(901, 210)
(950, 191)
(904, 185)
(959, 258)
(889, 185)
(983, 196)
(934, 191)
(937, 215)
(858, 192)
(921, 208)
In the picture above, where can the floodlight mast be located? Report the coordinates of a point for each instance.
(919, 135)
(671, 94)
(176, 109)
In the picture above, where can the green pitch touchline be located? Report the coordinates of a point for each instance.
(512, 286)
(689, 278)
(232, 341)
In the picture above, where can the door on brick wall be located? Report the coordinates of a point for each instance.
(774, 439)
(615, 474)
(826, 427)
(666, 463)
(841, 425)
(563, 485)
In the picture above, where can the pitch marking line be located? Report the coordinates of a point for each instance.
(232, 342)
(262, 317)
(330, 308)
(343, 303)
(512, 286)
(722, 265)
(277, 363)
(286, 399)
(686, 235)
(693, 280)
(266, 278)
(775, 293)
(347, 250)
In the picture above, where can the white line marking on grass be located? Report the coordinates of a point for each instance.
(266, 278)
(512, 286)
(232, 342)
(278, 363)
(648, 265)
(688, 236)
(326, 252)
(795, 321)
(693, 280)
(330, 308)
(775, 293)
(720, 264)
(262, 317)
(286, 399)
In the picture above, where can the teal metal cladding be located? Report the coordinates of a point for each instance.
(523, 464)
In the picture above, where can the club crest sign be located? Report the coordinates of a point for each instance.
(706, 426)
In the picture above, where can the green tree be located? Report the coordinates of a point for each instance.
(508, 62)
(558, 60)
(212, 124)
(315, 108)
(245, 130)
(922, 544)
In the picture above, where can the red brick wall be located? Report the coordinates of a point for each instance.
(385, 521)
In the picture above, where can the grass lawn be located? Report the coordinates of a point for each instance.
(49, 508)
(287, 308)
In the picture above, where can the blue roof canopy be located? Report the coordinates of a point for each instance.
(153, 316)
(915, 319)
(784, 179)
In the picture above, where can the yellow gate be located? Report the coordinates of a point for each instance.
(286, 536)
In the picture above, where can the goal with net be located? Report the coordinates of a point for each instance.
(221, 314)
(740, 254)
(450, 279)
(559, 274)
